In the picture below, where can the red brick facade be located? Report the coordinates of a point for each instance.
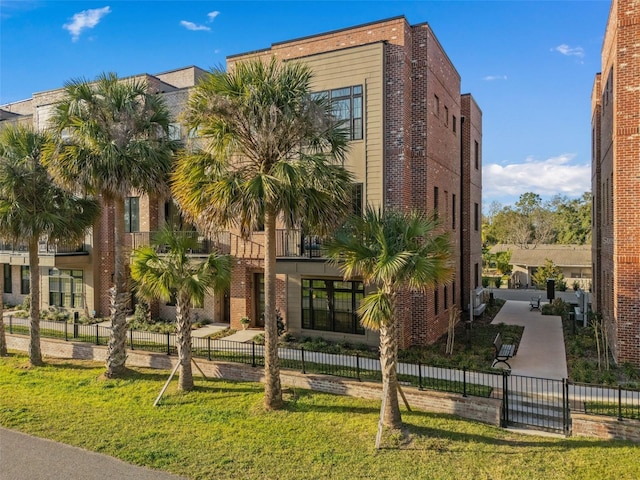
(615, 181)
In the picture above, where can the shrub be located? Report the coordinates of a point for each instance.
(485, 282)
(497, 282)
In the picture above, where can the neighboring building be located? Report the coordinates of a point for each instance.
(416, 142)
(615, 183)
(574, 262)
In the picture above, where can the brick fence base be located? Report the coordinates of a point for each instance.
(486, 410)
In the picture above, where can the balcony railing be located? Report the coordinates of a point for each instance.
(44, 248)
(289, 244)
(220, 242)
(293, 244)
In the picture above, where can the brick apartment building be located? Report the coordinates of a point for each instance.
(416, 142)
(615, 181)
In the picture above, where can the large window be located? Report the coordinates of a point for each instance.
(132, 214)
(25, 283)
(8, 287)
(346, 105)
(331, 305)
(65, 288)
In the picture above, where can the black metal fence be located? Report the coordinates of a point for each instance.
(538, 402)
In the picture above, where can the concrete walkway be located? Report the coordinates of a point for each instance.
(541, 352)
(25, 457)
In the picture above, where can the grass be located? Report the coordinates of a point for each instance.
(221, 431)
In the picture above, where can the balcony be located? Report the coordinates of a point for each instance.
(293, 244)
(290, 244)
(219, 243)
(45, 248)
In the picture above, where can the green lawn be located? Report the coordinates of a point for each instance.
(221, 431)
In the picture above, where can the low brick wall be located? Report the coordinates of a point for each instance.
(486, 410)
(607, 428)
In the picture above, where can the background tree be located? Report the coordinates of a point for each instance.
(270, 150)
(33, 208)
(390, 252)
(116, 143)
(175, 275)
(548, 271)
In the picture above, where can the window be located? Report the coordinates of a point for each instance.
(453, 292)
(454, 124)
(436, 105)
(476, 215)
(453, 211)
(132, 214)
(436, 300)
(258, 286)
(8, 287)
(476, 153)
(357, 199)
(446, 116)
(65, 288)
(446, 298)
(475, 275)
(25, 284)
(346, 106)
(435, 199)
(331, 305)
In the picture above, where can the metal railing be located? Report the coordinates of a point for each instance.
(44, 247)
(294, 244)
(539, 402)
(220, 242)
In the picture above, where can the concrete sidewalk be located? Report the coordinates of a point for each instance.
(25, 457)
(541, 352)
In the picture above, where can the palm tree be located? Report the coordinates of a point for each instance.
(33, 207)
(390, 252)
(270, 151)
(175, 274)
(116, 142)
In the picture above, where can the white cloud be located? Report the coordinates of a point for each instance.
(193, 26)
(491, 78)
(565, 49)
(84, 20)
(212, 15)
(555, 175)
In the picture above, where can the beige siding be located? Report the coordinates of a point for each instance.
(363, 65)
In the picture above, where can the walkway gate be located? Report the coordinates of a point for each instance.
(538, 403)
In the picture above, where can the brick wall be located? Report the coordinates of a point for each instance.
(616, 129)
(607, 428)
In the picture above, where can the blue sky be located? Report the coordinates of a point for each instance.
(529, 64)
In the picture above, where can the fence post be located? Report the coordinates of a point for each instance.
(97, 335)
(505, 400)
(168, 344)
(464, 381)
(10, 323)
(66, 333)
(358, 366)
(253, 353)
(303, 366)
(619, 403)
(131, 338)
(565, 406)
(209, 348)
(420, 376)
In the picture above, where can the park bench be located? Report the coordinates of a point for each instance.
(504, 351)
(535, 303)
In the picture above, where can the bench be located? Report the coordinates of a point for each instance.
(534, 303)
(504, 351)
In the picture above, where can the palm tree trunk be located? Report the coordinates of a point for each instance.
(388, 362)
(35, 354)
(273, 388)
(183, 340)
(116, 353)
(3, 338)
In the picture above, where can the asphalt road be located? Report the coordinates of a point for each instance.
(23, 457)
